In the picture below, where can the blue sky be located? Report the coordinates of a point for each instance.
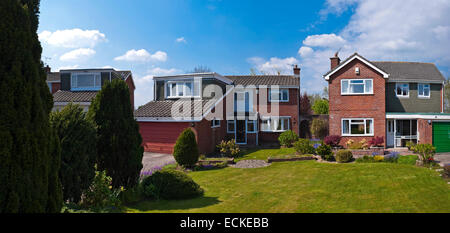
(230, 37)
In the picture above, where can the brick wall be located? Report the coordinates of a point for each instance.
(55, 87)
(425, 131)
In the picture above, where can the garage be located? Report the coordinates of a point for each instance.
(160, 137)
(441, 136)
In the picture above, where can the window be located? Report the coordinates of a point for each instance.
(230, 126)
(357, 127)
(279, 95)
(86, 81)
(177, 89)
(243, 102)
(275, 124)
(356, 86)
(251, 126)
(424, 90)
(402, 89)
(215, 123)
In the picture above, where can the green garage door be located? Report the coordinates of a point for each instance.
(441, 136)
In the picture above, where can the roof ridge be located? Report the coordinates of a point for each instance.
(416, 62)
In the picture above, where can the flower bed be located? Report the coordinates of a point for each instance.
(358, 153)
(284, 158)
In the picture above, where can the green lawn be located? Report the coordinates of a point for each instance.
(309, 186)
(265, 153)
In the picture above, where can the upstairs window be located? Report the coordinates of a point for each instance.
(356, 86)
(243, 102)
(423, 90)
(86, 82)
(178, 89)
(402, 89)
(279, 95)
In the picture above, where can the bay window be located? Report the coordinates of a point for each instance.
(275, 124)
(357, 127)
(423, 90)
(356, 86)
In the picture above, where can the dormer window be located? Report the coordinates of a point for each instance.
(86, 82)
(356, 86)
(179, 89)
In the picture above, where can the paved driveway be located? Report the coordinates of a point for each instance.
(150, 161)
(442, 158)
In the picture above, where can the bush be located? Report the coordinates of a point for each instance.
(325, 152)
(319, 128)
(411, 145)
(344, 156)
(351, 144)
(333, 140)
(132, 195)
(170, 184)
(185, 150)
(446, 173)
(320, 106)
(287, 138)
(303, 146)
(229, 148)
(426, 152)
(376, 141)
(101, 194)
(378, 158)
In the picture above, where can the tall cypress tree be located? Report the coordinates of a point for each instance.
(29, 153)
(119, 149)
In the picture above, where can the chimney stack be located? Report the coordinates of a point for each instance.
(296, 71)
(335, 61)
(47, 69)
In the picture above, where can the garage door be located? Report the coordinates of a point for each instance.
(160, 137)
(441, 136)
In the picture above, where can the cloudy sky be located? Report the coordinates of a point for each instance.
(162, 37)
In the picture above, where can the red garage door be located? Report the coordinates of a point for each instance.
(160, 137)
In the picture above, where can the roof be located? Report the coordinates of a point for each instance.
(281, 80)
(163, 108)
(194, 75)
(406, 71)
(351, 58)
(74, 96)
(53, 77)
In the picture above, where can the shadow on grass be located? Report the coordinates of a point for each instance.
(198, 202)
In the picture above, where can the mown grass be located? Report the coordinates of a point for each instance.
(264, 153)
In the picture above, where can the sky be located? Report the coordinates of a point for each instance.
(165, 37)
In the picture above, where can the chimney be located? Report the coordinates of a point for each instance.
(296, 71)
(47, 69)
(335, 60)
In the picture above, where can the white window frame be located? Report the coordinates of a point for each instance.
(255, 126)
(423, 88)
(349, 84)
(181, 84)
(270, 121)
(74, 79)
(234, 126)
(280, 94)
(349, 134)
(215, 123)
(402, 95)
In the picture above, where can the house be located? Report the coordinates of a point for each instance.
(252, 109)
(400, 101)
(80, 86)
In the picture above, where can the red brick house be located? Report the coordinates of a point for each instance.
(399, 101)
(80, 86)
(252, 109)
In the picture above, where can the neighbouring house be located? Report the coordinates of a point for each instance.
(252, 109)
(80, 86)
(400, 101)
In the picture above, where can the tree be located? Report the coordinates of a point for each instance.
(319, 128)
(29, 151)
(119, 149)
(185, 150)
(305, 105)
(320, 106)
(200, 69)
(78, 145)
(325, 93)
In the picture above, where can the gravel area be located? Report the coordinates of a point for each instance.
(251, 164)
(152, 161)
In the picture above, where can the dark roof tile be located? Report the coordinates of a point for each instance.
(282, 80)
(74, 96)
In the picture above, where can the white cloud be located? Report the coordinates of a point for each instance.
(275, 65)
(142, 55)
(68, 67)
(72, 38)
(77, 54)
(324, 40)
(304, 51)
(181, 40)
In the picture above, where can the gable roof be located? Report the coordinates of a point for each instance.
(74, 96)
(351, 58)
(411, 71)
(258, 80)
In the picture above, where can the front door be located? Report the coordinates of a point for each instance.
(241, 135)
(390, 133)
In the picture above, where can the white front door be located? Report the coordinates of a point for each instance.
(390, 133)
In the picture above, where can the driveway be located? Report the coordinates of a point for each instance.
(152, 161)
(442, 158)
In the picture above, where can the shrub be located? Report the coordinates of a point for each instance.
(333, 140)
(170, 184)
(320, 106)
(325, 152)
(132, 195)
(446, 173)
(185, 150)
(376, 141)
(319, 128)
(351, 144)
(344, 156)
(426, 152)
(303, 146)
(228, 148)
(101, 194)
(378, 158)
(287, 138)
(411, 145)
